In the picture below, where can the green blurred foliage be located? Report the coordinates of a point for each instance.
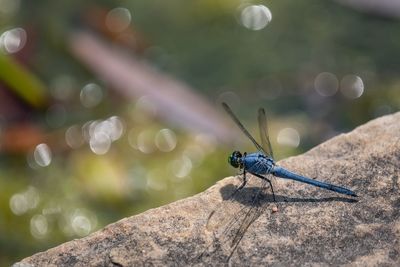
(202, 43)
(22, 82)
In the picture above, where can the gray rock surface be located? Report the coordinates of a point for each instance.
(313, 227)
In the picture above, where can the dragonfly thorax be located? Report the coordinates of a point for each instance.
(235, 159)
(258, 163)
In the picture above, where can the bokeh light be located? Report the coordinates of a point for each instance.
(98, 133)
(118, 19)
(166, 140)
(77, 222)
(13, 40)
(42, 155)
(181, 167)
(145, 141)
(39, 226)
(155, 182)
(113, 127)
(255, 17)
(81, 225)
(20, 203)
(326, 84)
(91, 95)
(73, 136)
(145, 105)
(288, 137)
(352, 86)
(100, 143)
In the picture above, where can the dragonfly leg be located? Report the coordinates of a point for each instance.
(269, 181)
(244, 181)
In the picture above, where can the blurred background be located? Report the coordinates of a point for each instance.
(109, 108)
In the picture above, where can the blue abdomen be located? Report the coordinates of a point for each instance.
(258, 163)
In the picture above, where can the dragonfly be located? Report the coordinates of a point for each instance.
(261, 163)
(236, 217)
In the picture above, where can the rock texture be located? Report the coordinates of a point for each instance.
(313, 226)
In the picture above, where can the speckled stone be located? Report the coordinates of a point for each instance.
(313, 227)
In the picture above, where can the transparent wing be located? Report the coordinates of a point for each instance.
(221, 217)
(230, 221)
(236, 120)
(262, 124)
(252, 213)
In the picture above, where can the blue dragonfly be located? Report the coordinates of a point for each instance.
(261, 163)
(231, 213)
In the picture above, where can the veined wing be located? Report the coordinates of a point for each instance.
(239, 124)
(262, 124)
(231, 219)
(258, 205)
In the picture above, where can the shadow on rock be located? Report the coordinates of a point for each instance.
(246, 196)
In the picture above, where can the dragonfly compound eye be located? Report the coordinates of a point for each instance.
(234, 159)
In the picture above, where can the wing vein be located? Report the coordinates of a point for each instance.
(241, 127)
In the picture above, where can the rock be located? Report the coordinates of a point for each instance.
(311, 227)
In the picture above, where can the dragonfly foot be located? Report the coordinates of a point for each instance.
(270, 184)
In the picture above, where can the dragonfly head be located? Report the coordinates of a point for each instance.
(235, 159)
